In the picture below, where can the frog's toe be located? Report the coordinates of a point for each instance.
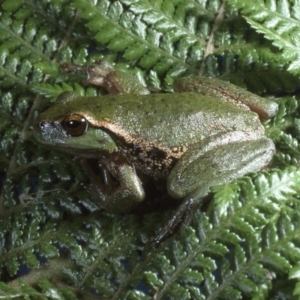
(183, 215)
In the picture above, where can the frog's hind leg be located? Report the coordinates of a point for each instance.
(212, 164)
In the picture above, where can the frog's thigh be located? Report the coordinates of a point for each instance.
(199, 170)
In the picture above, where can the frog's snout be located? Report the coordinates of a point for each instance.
(45, 126)
(49, 132)
(41, 124)
(39, 128)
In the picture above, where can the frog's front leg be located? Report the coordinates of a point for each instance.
(119, 197)
(102, 73)
(224, 158)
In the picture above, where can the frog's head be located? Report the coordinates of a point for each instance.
(66, 126)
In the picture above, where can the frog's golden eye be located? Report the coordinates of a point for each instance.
(75, 125)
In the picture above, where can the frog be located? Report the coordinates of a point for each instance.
(206, 134)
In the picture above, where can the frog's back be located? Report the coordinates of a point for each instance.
(171, 120)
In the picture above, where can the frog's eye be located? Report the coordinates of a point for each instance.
(75, 125)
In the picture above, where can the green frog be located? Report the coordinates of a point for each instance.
(206, 134)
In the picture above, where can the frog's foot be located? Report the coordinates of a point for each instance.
(183, 215)
(102, 73)
(97, 74)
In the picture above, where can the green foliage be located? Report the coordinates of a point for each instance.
(56, 243)
(279, 22)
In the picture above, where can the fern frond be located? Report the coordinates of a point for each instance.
(161, 36)
(277, 21)
(255, 249)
